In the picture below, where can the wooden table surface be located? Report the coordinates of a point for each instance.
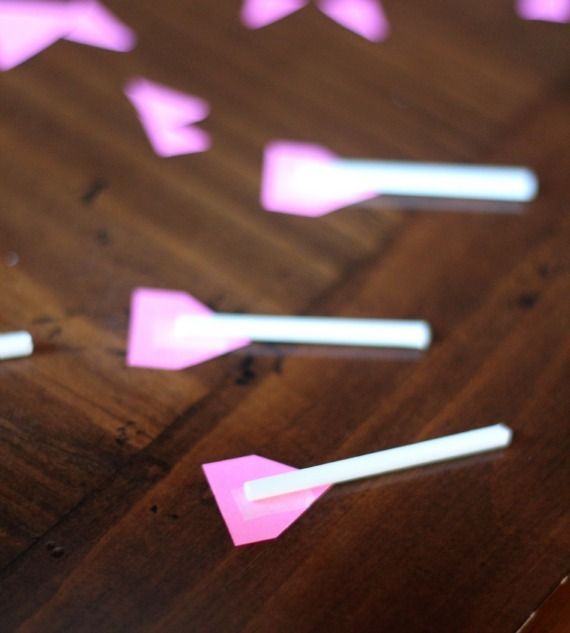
(106, 521)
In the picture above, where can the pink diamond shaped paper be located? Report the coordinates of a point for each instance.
(166, 116)
(254, 521)
(154, 341)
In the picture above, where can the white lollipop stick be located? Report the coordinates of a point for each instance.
(15, 345)
(440, 180)
(428, 452)
(312, 330)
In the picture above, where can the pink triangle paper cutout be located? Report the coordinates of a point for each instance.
(363, 17)
(166, 115)
(546, 10)
(304, 179)
(254, 521)
(258, 13)
(154, 342)
(27, 28)
(94, 25)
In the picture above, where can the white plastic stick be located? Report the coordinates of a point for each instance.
(440, 180)
(428, 452)
(15, 345)
(312, 330)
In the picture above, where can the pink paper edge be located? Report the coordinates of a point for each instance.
(251, 467)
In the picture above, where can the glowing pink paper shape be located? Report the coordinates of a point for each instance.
(258, 13)
(547, 10)
(254, 521)
(166, 116)
(153, 340)
(94, 25)
(27, 27)
(303, 179)
(363, 17)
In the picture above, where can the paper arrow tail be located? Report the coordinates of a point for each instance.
(310, 180)
(260, 498)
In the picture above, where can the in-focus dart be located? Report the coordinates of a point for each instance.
(167, 116)
(259, 498)
(172, 330)
(27, 27)
(309, 180)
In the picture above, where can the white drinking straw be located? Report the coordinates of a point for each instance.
(313, 330)
(440, 180)
(431, 451)
(15, 345)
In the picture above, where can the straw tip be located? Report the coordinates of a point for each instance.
(506, 433)
(532, 184)
(426, 336)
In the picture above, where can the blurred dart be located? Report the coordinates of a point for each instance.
(260, 498)
(309, 180)
(27, 27)
(172, 330)
(545, 10)
(167, 116)
(363, 17)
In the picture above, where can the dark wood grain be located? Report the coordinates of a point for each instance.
(554, 615)
(106, 522)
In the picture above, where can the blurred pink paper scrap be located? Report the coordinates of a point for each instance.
(546, 10)
(363, 17)
(167, 116)
(27, 27)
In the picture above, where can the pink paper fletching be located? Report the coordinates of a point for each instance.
(28, 27)
(546, 10)
(258, 13)
(254, 521)
(167, 116)
(154, 341)
(94, 25)
(303, 179)
(363, 17)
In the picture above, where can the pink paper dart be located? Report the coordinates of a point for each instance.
(172, 330)
(27, 27)
(546, 10)
(167, 116)
(259, 498)
(310, 180)
(363, 17)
